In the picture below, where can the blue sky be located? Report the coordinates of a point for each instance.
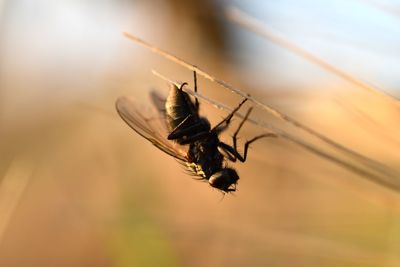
(361, 37)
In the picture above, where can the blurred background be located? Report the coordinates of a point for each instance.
(80, 188)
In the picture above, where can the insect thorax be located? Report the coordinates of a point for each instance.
(205, 159)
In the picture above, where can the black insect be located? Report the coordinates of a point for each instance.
(190, 137)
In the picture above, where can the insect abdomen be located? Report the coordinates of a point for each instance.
(178, 106)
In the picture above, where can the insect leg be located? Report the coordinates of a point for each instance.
(175, 132)
(192, 130)
(220, 127)
(231, 152)
(197, 104)
(189, 130)
(182, 85)
(247, 144)
(234, 137)
(193, 138)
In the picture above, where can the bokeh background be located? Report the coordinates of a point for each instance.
(79, 188)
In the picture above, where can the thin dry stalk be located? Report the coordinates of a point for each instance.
(377, 166)
(367, 122)
(390, 183)
(246, 21)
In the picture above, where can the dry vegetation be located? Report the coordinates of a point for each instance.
(79, 188)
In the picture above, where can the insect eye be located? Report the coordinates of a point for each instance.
(224, 180)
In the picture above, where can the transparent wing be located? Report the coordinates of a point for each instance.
(158, 101)
(152, 128)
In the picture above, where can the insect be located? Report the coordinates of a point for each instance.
(190, 138)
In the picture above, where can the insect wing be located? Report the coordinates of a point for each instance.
(158, 101)
(150, 128)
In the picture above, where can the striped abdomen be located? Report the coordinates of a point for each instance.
(178, 106)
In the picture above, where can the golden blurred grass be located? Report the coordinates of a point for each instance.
(101, 195)
(93, 193)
